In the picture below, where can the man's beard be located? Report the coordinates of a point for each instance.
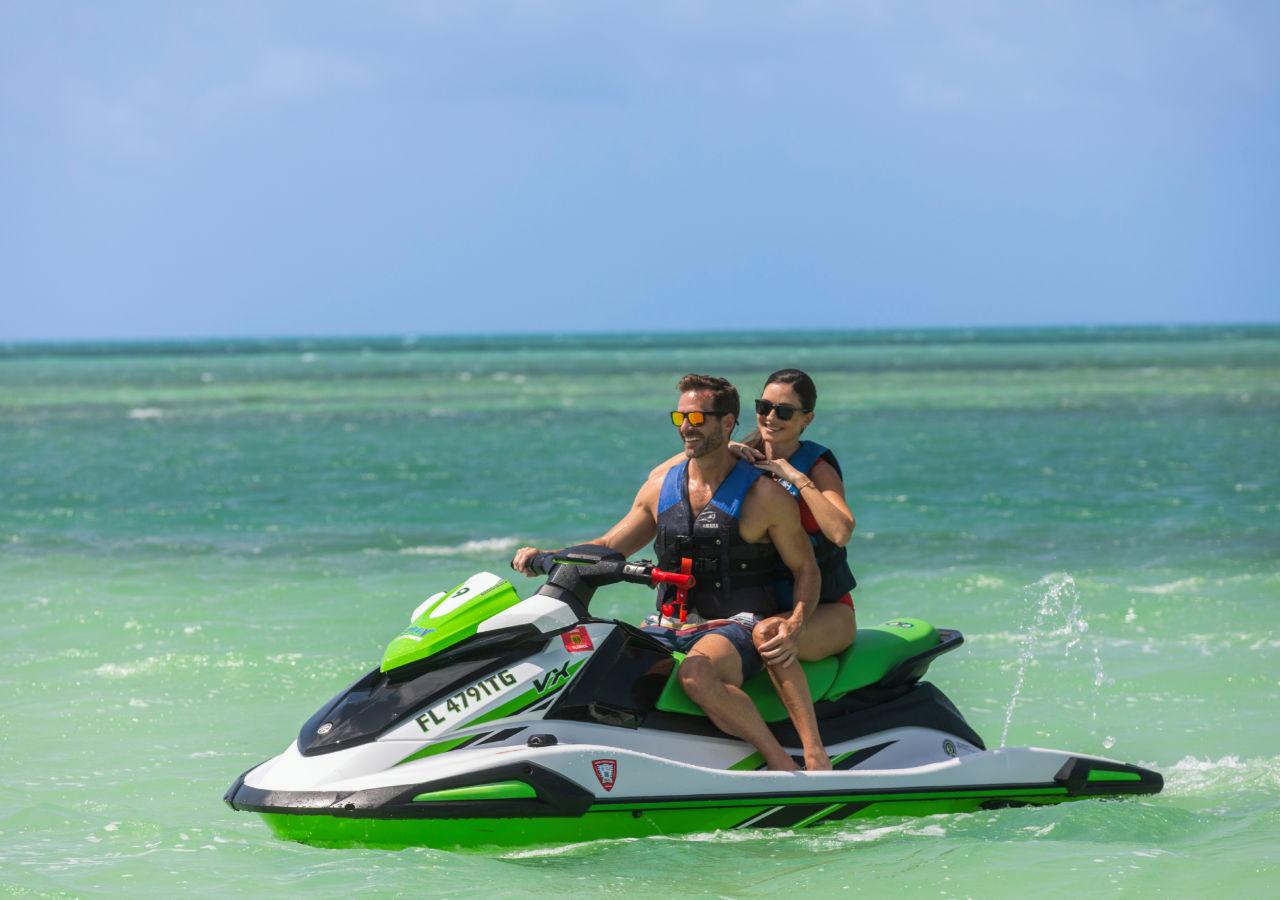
(710, 443)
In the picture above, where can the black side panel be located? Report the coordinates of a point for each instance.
(852, 716)
(556, 796)
(784, 817)
(1074, 776)
(866, 712)
(619, 685)
(684, 724)
(861, 756)
(844, 812)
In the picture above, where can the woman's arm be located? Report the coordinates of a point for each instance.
(823, 491)
(826, 502)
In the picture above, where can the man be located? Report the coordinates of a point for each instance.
(732, 526)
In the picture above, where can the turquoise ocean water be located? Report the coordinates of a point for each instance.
(201, 542)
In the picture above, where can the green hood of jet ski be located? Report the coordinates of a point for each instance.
(448, 618)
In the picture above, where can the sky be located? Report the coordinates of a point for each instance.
(322, 168)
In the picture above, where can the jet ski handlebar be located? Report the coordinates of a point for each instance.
(592, 566)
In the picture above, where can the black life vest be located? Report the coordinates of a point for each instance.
(833, 560)
(733, 576)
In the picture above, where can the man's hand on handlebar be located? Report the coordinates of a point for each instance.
(524, 556)
(607, 570)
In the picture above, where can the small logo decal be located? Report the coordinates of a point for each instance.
(606, 772)
(324, 729)
(949, 748)
(898, 623)
(577, 640)
(550, 678)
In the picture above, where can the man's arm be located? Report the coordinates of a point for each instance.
(793, 545)
(637, 528)
(640, 525)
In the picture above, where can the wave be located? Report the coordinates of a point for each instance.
(485, 545)
(1192, 775)
(1148, 643)
(174, 661)
(1173, 587)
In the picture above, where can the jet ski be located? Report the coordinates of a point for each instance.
(497, 721)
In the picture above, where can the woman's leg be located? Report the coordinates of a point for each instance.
(830, 630)
(793, 689)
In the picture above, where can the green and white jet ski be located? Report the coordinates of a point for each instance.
(500, 721)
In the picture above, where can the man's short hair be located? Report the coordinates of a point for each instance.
(724, 396)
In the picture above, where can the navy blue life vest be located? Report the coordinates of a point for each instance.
(733, 576)
(833, 560)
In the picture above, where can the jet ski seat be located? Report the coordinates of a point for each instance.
(897, 652)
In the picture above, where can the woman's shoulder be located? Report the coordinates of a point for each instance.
(827, 467)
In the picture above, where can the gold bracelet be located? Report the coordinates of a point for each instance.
(807, 484)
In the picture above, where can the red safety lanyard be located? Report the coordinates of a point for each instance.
(682, 594)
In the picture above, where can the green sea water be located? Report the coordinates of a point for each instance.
(201, 542)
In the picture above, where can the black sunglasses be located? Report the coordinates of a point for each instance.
(785, 410)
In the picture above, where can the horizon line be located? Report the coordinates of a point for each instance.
(418, 336)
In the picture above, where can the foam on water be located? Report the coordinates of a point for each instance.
(483, 546)
(1173, 587)
(1193, 776)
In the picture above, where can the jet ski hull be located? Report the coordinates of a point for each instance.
(519, 797)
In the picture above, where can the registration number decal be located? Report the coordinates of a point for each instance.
(443, 713)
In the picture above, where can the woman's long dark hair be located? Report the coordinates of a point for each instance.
(799, 382)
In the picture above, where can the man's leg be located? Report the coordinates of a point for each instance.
(710, 675)
(793, 689)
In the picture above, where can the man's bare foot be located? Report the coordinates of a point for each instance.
(785, 763)
(817, 761)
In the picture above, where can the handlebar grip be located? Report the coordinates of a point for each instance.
(543, 562)
(540, 562)
(680, 580)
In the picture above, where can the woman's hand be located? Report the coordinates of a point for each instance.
(742, 451)
(780, 468)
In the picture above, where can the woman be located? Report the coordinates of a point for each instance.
(812, 475)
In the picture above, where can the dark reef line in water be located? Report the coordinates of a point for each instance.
(559, 343)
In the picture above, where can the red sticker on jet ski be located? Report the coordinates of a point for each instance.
(606, 772)
(577, 640)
